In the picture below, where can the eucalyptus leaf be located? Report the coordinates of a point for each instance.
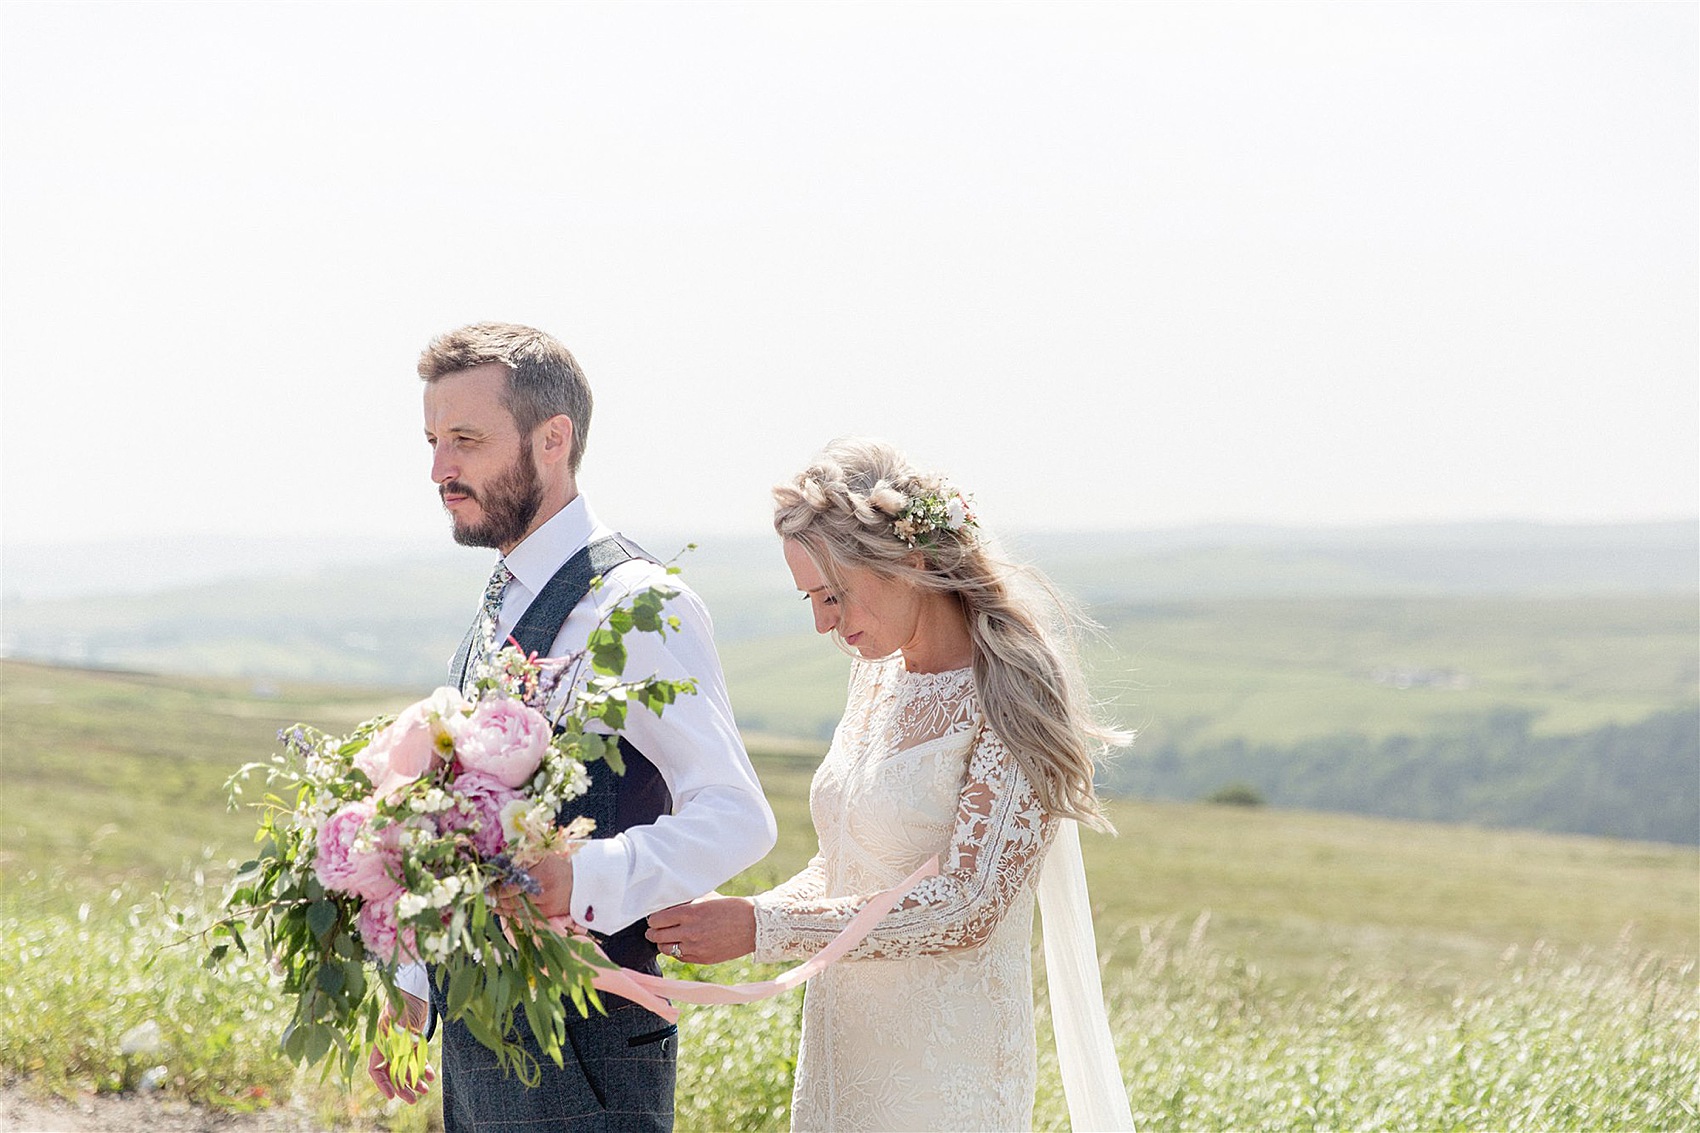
(318, 1042)
(321, 917)
(293, 1042)
(461, 983)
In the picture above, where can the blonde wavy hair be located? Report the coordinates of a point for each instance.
(841, 509)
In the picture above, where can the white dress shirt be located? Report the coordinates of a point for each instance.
(721, 823)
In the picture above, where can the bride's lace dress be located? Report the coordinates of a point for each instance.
(929, 1022)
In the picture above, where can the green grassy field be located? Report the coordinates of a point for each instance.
(1281, 670)
(1265, 969)
(113, 778)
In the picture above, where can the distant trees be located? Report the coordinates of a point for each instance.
(1235, 794)
(1639, 780)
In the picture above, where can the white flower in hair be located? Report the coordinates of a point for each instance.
(956, 513)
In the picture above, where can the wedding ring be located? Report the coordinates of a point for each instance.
(678, 953)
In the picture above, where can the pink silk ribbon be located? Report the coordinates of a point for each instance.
(654, 992)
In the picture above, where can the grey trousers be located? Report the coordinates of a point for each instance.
(618, 1076)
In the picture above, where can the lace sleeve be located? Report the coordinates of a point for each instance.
(806, 885)
(999, 841)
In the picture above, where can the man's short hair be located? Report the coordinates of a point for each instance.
(544, 378)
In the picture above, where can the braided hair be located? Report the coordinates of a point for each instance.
(844, 511)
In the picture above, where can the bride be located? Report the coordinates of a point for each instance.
(968, 735)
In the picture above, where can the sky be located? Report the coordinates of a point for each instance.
(1107, 266)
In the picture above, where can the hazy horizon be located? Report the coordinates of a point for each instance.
(139, 564)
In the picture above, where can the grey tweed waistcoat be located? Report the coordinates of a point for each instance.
(615, 802)
(619, 1069)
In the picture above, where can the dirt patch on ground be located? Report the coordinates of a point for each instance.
(21, 1112)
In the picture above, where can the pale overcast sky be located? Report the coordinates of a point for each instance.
(1110, 265)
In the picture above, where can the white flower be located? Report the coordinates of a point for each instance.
(445, 891)
(514, 815)
(431, 802)
(956, 513)
(410, 905)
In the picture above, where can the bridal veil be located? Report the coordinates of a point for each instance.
(1086, 1053)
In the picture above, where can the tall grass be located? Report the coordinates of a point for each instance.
(1587, 1041)
(97, 996)
(1595, 1041)
(105, 994)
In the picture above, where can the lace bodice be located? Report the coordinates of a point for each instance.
(931, 1025)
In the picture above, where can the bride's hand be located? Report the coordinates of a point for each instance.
(706, 931)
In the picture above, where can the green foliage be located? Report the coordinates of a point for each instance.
(1598, 1042)
(1638, 780)
(736, 1063)
(80, 976)
(1235, 794)
(1546, 1039)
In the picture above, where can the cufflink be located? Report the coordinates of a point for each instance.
(589, 913)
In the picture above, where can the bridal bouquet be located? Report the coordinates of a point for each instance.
(388, 846)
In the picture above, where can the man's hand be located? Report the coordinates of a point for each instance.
(414, 1017)
(555, 874)
(706, 931)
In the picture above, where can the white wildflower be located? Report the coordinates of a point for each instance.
(956, 513)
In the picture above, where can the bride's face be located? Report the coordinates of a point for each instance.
(875, 616)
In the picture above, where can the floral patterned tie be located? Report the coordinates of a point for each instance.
(484, 635)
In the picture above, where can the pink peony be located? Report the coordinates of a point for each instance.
(340, 866)
(487, 798)
(378, 927)
(504, 740)
(408, 748)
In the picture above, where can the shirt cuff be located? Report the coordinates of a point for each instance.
(599, 870)
(415, 980)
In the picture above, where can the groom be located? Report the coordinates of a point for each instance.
(507, 412)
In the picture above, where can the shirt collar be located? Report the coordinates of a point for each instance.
(535, 561)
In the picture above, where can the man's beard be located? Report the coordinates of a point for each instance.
(509, 503)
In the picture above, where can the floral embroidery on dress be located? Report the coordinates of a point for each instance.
(932, 1027)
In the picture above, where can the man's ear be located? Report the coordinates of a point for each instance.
(555, 440)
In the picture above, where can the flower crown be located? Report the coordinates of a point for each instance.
(944, 509)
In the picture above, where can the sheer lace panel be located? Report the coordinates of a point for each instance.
(997, 844)
(930, 706)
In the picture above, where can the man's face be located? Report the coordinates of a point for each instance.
(480, 463)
